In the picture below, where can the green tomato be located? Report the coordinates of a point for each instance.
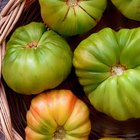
(72, 17)
(35, 59)
(129, 8)
(107, 64)
(57, 115)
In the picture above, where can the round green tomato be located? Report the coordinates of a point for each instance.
(107, 64)
(35, 59)
(72, 17)
(57, 115)
(129, 8)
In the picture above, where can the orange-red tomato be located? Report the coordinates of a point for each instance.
(57, 115)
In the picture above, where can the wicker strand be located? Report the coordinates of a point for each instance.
(13, 6)
(5, 121)
(7, 7)
(7, 22)
(11, 23)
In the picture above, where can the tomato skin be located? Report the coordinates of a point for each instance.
(129, 8)
(72, 17)
(36, 59)
(56, 109)
(107, 64)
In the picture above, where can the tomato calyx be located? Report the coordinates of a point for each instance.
(118, 70)
(59, 133)
(72, 3)
(32, 45)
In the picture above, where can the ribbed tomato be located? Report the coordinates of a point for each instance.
(71, 17)
(107, 64)
(57, 115)
(36, 59)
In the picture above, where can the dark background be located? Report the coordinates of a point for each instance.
(102, 125)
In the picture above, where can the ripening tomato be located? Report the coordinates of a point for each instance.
(57, 115)
(36, 59)
(72, 17)
(107, 64)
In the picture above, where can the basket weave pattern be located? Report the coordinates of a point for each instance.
(9, 15)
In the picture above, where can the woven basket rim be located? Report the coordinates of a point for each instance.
(9, 16)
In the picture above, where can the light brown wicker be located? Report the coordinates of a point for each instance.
(8, 18)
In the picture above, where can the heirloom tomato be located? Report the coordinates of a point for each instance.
(129, 8)
(36, 59)
(57, 115)
(72, 17)
(107, 64)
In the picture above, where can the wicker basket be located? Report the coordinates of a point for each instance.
(13, 107)
(10, 12)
